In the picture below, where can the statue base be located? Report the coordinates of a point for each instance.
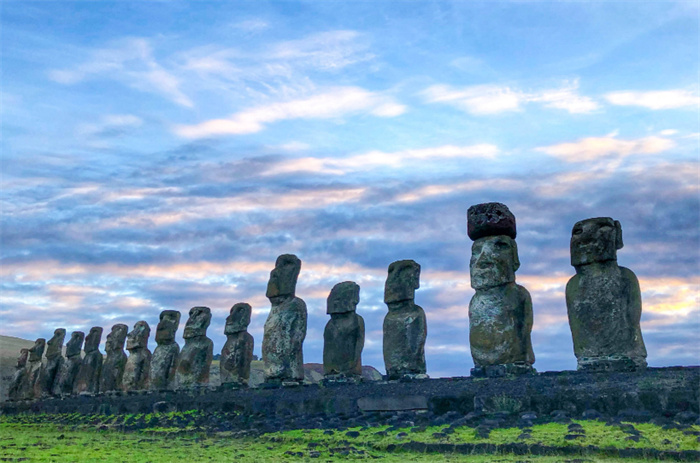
(611, 363)
(329, 380)
(506, 369)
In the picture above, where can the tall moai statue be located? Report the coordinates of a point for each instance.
(603, 300)
(115, 360)
(138, 365)
(405, 327)
(285, 327)
(500, 313)
(65, 379)
(36, 352)
(54, 362)
(195, 359)
(164, 360)
(88, 379)
(344, 336)
(237, 353)
(18, 386)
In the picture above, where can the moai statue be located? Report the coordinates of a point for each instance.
(54, 361)
(19, 379)
(164, 360)
(63, 385)
(195, 359)
(34, 368)
(603, 300)
(238, 350)
(500, 313)
(285, 327)
(344, 336)
(138, 366)
(88, 379)
(405, 327)
(115, 360)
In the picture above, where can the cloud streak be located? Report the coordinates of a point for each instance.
(655, 100)
(333, 103)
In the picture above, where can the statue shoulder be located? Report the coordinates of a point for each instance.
(523, 293)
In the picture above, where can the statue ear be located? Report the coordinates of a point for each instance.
(618, 235)
(516, 261)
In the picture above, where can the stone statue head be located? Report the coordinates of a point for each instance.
(75, 343)
(167, 326)
(490, 219)
(595, 240)
(283, 278)
(37, 350)
(343, 298)
(238, 319)
(92, 340)
(494, 261)
(115, 339)
(22, 359)
(54, 346)
(197, 324)
(138, 337)
(402, 281)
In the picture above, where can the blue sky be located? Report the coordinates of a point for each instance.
(160, 155)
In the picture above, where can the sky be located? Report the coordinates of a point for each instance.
(161, 155)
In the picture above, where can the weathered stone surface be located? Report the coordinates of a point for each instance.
(34, 368)
(344, 336)
(500, 312)
(63, 385)
(115, 360)
(54, 362)
(237, 353)
(138, 365)
(285, 327)
(405, 327)
(400, 403)
(20, 378)
(490, 219)
(88, 378)
(603, 300)
(164, 360)
(195, 359)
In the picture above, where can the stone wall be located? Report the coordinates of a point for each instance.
(656, 391)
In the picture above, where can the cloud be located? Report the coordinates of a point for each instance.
(112, 125)
(375, 159)
(494, 99)
(330, 50)
(131, 62)
(656, 100)
(593, 148)
(333, 103)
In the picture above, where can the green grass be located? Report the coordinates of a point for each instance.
(26, 438)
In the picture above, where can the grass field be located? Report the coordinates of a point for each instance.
(99, 439)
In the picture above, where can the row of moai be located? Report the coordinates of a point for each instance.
(603, 303)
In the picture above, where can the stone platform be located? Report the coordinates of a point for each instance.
(654, 392)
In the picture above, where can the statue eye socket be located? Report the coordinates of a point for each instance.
(577, 231)
(501, 245)
(605, 228)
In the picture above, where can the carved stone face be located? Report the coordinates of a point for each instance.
(283, 278)
(55, 344)
(37, 350)
(239, 318)
(494, 261)
(115, 339)
(595, 240)
(402, 281)
(75, 343)
(22, 359)
(197, 324)
(138, 337)
(167, 326)
(343, 298)
(92, 340)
